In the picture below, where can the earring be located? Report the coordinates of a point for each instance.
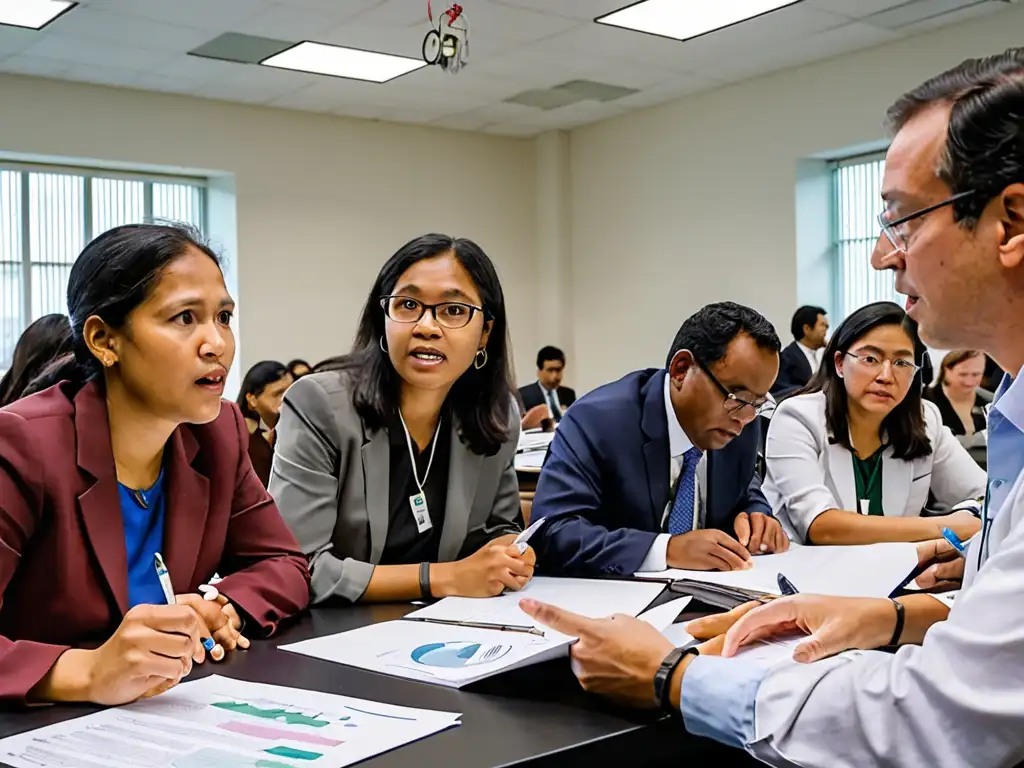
(481, 359)
(382, 347)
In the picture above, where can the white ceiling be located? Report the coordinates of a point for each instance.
(515, 45)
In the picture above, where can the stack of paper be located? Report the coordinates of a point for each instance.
(872, 570)
(457, 641)
(219, 721)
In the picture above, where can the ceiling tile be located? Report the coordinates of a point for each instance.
(531, 68)
(365, 112)
(152, 81)
(679, 86)
(517, 130)
(30, 65)
(516, 24)
(854, 9)
(955, 17)
(330, 94)
(463, 121)
(289, 23)
(96, 53)
(631, 75)
(14, 40)
(402, 41)
(108, 26)
(397, 13)
(210, 15)
(583, 10)
(254, 93)
(347, 9)
(412, 115)
(101, 75)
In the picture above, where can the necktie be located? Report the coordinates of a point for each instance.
(556, 412)
(680, 519)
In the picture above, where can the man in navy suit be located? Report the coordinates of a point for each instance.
(658, 469)
(801, 359)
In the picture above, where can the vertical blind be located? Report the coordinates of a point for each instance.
(857, 186)
(47, 215)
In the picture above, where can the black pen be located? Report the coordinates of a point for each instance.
(787, 586)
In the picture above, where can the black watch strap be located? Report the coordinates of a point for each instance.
(425, 580)
(662, 678)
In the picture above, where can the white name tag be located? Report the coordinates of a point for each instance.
(420, 513)
(865, 506)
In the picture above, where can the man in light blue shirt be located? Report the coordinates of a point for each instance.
(953, 231)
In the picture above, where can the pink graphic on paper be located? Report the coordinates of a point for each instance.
(267, 732)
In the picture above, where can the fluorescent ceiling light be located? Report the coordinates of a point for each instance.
(339, 61)
(683, 20)
(33, 14)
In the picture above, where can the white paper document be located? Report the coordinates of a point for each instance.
(769, 653)
(535, 441)
(594, 598)
(531, 460)
(219, 722)
(453, 655)
(872, 570)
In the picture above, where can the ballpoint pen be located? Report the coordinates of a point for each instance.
(480, 625)
(164, 578)
(786, 586)
(954, 540)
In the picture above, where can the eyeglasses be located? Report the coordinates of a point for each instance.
(898, 238)
(732, 403)
(901, 367)
(450, 314)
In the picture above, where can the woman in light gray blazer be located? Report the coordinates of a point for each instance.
(393, 464)
(859, 457)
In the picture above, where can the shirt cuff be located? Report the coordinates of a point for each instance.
(657, 555)
(718, 698)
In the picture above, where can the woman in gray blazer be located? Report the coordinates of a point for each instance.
(858, 457)
(393, 464)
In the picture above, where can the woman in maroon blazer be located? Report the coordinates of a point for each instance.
(133, 453)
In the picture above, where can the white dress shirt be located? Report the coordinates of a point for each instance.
(678, 444)
(551, 396)
(813, 356)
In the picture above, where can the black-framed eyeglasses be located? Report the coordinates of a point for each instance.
(897, 238)
(733, 404)
(450, 314)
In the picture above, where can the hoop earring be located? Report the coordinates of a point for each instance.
(382, 347)
(481, 359)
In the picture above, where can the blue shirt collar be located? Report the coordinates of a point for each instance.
(1009, 400)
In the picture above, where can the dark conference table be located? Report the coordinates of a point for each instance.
(537, 716)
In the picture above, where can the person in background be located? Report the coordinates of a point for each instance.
(46, 339)
(956, 392)
(801, 359)
(954, 197)
(394, 464)
(259, 400)
(856, 457)
(298, 369)
(546, 398)
(132, 454)
(658, 469)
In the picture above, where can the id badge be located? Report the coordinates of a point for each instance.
(865, 506)
(420, 513)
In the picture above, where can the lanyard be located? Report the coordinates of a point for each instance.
(412, 454)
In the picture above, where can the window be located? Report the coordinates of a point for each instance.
(48, 214)
(857, 186)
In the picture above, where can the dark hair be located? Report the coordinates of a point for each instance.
(953, 359)
(708, 332)
(480, 400)
(295, 364)
(113, 275)
(984, 150)
(46, 339)
(549, 353)
(259, 377)
(806, 315)
(904, 426)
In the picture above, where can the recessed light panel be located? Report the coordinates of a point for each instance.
(32, 14)
(339, 61)
(685, 20)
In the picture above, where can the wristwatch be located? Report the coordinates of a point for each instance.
(662, 678)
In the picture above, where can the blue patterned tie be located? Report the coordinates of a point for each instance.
(680, 519)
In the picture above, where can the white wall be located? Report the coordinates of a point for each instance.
(694, 201)
(321, 201)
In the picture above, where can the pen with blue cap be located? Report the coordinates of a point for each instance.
(164, 577)
(954, 540)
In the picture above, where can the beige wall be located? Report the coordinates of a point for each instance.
(694, 201)
(321, 201)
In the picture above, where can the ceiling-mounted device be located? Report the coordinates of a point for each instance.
(447, 43)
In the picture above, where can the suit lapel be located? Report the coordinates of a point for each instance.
(187, 495)
(463, 474)
(897, 477)
(376, 482)
(656, 448)
(100, 506)
(840, 467)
